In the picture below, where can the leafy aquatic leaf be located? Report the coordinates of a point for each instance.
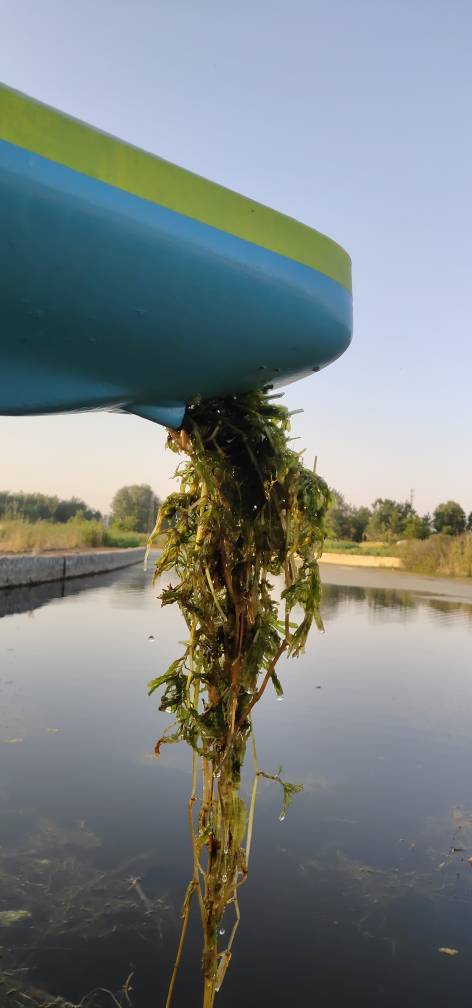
(173, 670)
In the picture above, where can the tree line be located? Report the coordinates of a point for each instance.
(389, 520)
(34, 507)
(133, 509)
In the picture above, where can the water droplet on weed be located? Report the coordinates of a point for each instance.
(280, 698)
(226, 850)
(224, 878)
(222, 931)
(217, 774)
(281, 816)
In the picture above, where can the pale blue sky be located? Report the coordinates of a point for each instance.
(350, 115)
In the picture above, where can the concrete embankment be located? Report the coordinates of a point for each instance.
(24, 569)
(358, 560)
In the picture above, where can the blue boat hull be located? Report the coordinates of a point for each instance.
(108, 301)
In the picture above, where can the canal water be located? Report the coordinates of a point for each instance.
(350, 899)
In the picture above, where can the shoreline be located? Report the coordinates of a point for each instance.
(362, 560)
(19, 570)
(452, 589)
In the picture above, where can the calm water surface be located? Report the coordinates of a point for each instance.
(348, 900)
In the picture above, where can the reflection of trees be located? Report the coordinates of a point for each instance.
(446, 609)
(133, 580)
(379, 599)
(335, 598)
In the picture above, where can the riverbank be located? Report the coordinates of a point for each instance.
(362, 560)
(17, 570)
(452, 589)
(30, 569)
(440, 555)
(19, 536)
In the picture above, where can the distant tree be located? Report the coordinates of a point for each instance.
(4, 503)
(360, 520)
(389, 519)
(31, 507)
(344, 521)
(135, 507)
(75, 507)
(417, 527)
(449, 518)
(338, 521)
(39, 507)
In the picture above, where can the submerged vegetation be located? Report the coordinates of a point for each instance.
(243, 535)
(57, 902)
(61, 904)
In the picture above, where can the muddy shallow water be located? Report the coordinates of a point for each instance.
(349, 899)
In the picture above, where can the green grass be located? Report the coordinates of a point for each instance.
(17, 536)
(116, 536)
(360, 549)
(440, 555)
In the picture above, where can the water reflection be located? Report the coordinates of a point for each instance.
(383, 600)
(27, 598)
(349, 898)
(387, 602)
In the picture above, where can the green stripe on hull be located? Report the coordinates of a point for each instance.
(67, 141)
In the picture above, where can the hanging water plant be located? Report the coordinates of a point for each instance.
(247, 515)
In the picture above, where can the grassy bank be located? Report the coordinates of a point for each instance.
(360, 549)
(18, 536)
(440, 555)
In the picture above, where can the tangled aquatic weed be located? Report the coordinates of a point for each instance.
(58, 902)
(18, 996)
(247, 512)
